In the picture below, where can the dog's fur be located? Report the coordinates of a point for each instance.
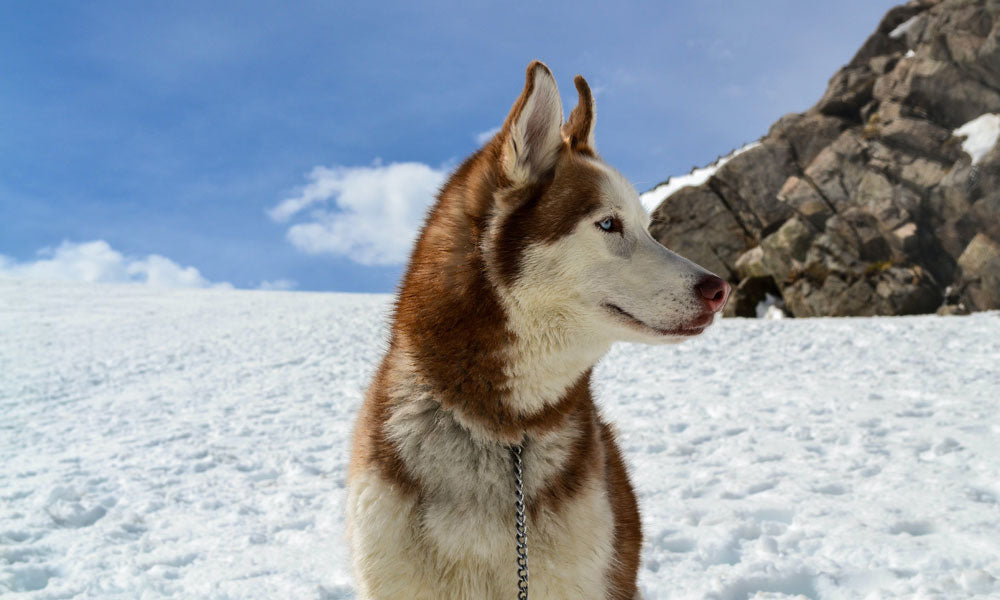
(534, 259)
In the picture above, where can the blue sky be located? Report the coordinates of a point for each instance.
(295, 144)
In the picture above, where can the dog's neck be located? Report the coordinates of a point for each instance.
(528, 387)
(547, 356)
(499, 380)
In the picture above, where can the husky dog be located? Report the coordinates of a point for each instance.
(533, 261)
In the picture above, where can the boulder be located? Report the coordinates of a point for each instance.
(803, 197)
(695, 223)
(980, 263)
(808, 133)
(749, 183)
(978, 255)
(849, 90)
(937, 90)
(915, 136)
(867, 203)
(838, 168)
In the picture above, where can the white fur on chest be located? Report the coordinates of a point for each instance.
(457, 539)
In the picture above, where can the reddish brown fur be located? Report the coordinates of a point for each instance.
(584, 461)
(371, 447)
(581, 120)
(453, 325)
(628, 527)
(546, 211)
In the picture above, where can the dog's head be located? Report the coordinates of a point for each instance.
(567, 241)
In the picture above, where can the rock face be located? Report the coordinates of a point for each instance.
(868, 203)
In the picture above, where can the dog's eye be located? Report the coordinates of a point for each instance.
(610, 224)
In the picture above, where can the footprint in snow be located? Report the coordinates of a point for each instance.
(981, 495)
(946, 446)
(797, 584)
(28, 579)
(913, 528)
(777, 515)
(750, 490)
(832, 489)
(14, 536)
(66, 510)
(679, 545)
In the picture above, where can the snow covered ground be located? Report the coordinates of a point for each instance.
(193, 444)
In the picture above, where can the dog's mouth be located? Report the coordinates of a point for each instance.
(696, 327)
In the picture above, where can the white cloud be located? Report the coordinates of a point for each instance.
(482, 138)
(369, 215)
(98, 262)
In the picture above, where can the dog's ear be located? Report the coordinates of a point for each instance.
(579, 129)
(531, 136)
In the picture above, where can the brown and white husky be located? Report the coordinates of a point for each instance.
(533, 261)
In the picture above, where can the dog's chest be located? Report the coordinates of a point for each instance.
(467, 503)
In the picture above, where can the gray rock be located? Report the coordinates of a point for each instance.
(750, 264)
(749, 183)
(980, 265)
(837, 169)
(866, 204)
(938, 90)
(915, 136)
(807, 134)
(849, 90)
(695, 223)
(978, 255)
(803, 197)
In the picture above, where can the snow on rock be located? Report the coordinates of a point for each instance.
(697, 176)
(193, 443)
(903, 27)
(981, 134)
(768, 308)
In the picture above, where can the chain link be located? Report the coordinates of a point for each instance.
(520, 528)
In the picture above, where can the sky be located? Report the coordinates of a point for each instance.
(298, 145)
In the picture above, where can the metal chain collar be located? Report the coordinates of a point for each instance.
(520, 527)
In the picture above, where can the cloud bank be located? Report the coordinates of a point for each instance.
(485, 136)
(369, 215)
(97, 262)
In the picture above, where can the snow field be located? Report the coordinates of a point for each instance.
(194, 444)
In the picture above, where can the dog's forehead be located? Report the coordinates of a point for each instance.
(617, 189)
(609, 191)
(605, 187)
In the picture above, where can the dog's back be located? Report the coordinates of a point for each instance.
(533, 261)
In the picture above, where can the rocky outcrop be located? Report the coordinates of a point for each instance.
(868, 203)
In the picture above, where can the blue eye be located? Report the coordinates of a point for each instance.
(608, 224)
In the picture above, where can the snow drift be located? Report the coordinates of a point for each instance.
(193, 443)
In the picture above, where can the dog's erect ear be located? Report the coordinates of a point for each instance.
(579, 129)
(531, 139)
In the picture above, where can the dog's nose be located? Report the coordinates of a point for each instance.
(714, 290)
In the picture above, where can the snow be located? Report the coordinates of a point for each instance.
(903, 27)
(192, 443)
(697, 176)
(768, 308)
(981, 134)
